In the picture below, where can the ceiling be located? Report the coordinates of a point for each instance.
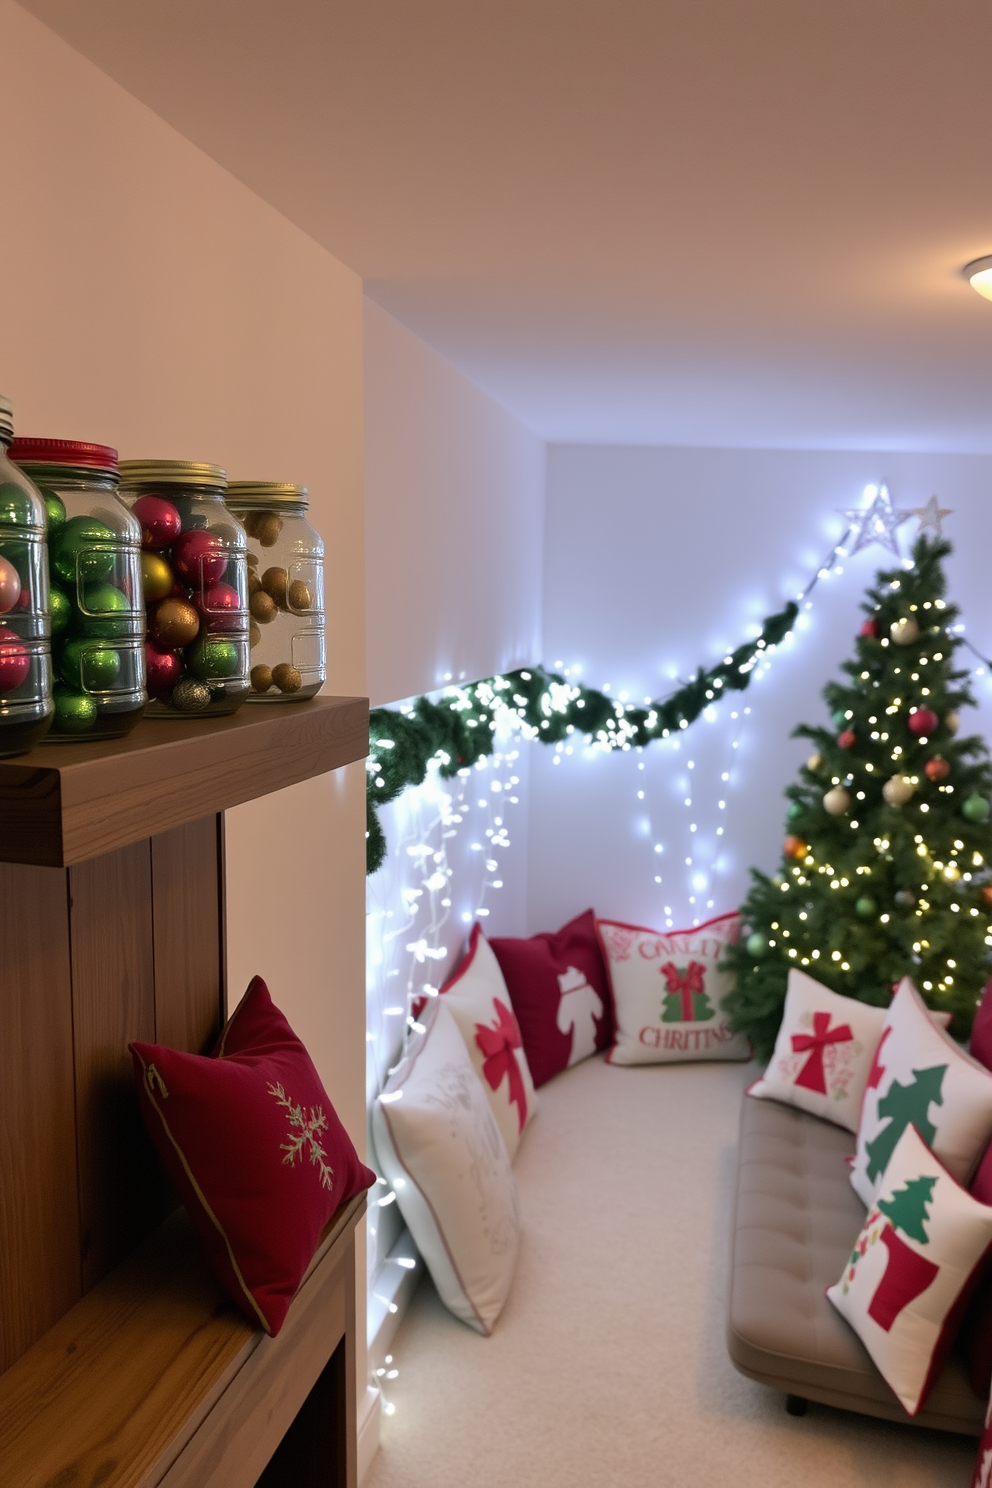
(633, 221)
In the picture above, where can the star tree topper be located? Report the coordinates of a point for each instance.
(876, 522)
(932, 515)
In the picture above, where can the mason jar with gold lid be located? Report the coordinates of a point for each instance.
(195, 582)
(285, 590)
(26, 706)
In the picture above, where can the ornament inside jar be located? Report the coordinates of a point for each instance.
(285, 591)
(195, 585)
(98, 617)
(26, 707)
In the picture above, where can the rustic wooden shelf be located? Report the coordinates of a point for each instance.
(65, 803)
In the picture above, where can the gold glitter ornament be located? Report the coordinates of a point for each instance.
(275, 582)
(299, 596)
(263, 607)
(261, 678)
(898, 790)
(286, 677)
(837, 801)
(815, 763)
(268, 526)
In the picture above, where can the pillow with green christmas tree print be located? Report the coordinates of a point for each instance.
(668, 992)
(912, 1269)
(920, 1077)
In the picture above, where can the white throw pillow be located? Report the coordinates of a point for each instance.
(823, 1053)
(668, 994)
(477, 998)
(921, 1077)
(921, 1246)
(440, 1148)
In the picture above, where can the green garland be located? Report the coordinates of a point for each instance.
(458, 729)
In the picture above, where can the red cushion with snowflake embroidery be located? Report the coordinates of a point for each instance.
(478, 1000)
(557, 986)
(256, 1150)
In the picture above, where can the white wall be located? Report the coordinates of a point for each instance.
(656, 560)
(454, 490)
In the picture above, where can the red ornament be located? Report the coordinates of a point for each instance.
(937, 768)
(199, 557)
(15, 660)
(847, 739)
(870, 629)
(795, 847)
(221, 608)
(10, 585)
(987, 894)
(164, 669)
(922, 721)
(160, 522)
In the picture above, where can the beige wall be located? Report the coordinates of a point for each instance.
(152, 302)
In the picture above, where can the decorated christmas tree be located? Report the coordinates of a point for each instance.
(887, 866)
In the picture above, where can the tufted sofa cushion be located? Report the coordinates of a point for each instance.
(796, 1220)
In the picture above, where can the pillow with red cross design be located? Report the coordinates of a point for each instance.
(824, 1051)
(920, 1077)
(668, 992)
(908, 1279)
(477, 998)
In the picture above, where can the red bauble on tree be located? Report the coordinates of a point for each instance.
(937, 768)
(870, 629)
(847, 739)
(795, 847)
(160, 522)
(923, 721)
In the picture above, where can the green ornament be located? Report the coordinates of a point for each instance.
(211, 659)
(100, 605)
(976, 809)
(54, 510)
(60, 608)
(839, 718)
(93, 668)
(757, 944)
(84, 548)
(794, 810)
(75, 712)
(16, 507)
(865, 906)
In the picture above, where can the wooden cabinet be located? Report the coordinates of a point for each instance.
(111, 929)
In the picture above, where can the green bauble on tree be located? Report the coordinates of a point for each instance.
(897, 884)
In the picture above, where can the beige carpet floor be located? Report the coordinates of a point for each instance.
(608, 1366)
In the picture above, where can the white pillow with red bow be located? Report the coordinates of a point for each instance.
(477, 999)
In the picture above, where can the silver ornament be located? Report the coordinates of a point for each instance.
(898, 790)
(189, 696)
(904, 632)
(837, 801)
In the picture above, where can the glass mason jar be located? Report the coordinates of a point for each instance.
(26, 708)
(285, 591)
(98, 616)
(196, 587)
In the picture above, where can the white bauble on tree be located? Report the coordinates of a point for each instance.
(952, 722)
(837, 801)
(904, 632)
(898, 790)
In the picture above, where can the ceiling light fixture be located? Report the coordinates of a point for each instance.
(979, 275)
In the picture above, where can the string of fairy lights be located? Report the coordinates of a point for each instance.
(451, 805)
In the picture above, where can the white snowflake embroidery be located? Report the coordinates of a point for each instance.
(304, 1132)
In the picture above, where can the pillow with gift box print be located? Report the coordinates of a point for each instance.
(910, 1274)
(921, 1077)
(441, 1150)
(668, 992)
(255, 1148)
(477, 999)
(558, 990)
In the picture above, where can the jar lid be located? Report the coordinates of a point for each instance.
(265, 493)
(6, 418)
(173, 473)
(64, 452)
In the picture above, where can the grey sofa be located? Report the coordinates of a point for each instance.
(796, 1220)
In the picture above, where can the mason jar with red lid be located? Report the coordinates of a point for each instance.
(25, 655)
(95, 597)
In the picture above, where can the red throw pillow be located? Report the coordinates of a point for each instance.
(981, 1032)
(256, 1150)
(560, 995)
(977, 1331)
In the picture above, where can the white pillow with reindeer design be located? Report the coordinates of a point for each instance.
(668, 992)
(441, 1150)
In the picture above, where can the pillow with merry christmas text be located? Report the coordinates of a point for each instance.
(557, 985)
(910, 1274)
(824, 1052)
(250, 1139)
(920, 1077)
(477, 999)
(668, 992)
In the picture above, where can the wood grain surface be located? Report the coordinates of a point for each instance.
(187, 913)
(122, 1389)
(39, 1231)
(65, 803)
